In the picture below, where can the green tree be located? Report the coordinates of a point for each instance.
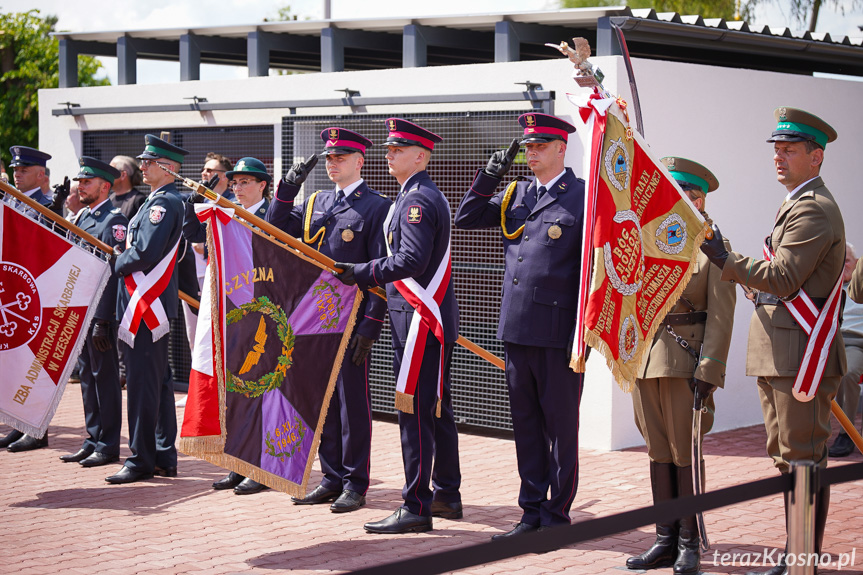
(805, 12)
(29, 62)
(728, 9)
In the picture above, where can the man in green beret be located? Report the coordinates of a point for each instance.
(801, 270)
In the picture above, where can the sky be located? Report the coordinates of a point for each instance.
(111, 15)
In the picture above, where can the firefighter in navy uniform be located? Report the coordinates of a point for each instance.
(98, 364)
(417, 238)
(345, 224)
(149, 263)
(541, 221)
(663, 394)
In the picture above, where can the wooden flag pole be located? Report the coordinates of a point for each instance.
(308, 251)
(847, 425)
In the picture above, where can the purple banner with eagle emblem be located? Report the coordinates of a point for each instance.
(280, 326)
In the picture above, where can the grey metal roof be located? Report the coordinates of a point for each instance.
(374, 43)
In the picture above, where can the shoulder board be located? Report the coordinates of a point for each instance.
(809, 194)
(375, 192)
(116, 211)
(159, 193)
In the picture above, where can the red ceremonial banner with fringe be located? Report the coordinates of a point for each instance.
(642, 236)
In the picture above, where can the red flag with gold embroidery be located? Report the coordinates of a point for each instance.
(642, 242)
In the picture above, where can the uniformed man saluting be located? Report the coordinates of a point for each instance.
(662, 398)
(424, 321)
(147, 299)
(345, 224)
(98, 363)
(804, 257)
(541, 221)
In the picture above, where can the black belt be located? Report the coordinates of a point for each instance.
(685, 318)
(764, 298)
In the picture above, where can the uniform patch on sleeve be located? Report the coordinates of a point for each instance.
(119, 232)
(156, 214)
(415, 214)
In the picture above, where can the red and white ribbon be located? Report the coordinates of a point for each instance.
(144, 303)
(820, 327)
(426, 319)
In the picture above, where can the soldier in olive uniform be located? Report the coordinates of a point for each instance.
(149, 277)
(806, 254)
(98, 364)
(663, 394)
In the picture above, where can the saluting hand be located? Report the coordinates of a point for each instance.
(61, 192)
(290, 183)
(714, 248)
(501, 161)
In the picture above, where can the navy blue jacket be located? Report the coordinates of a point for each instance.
(420, 232)
(541, 281)
(108, 224)
(150, 242)
(353, 234)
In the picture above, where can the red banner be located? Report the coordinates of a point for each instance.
(641, 241)
(47, 285)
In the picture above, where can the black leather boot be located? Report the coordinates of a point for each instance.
(688, 560)
(822, 506)
(663, 483)
(780, 568)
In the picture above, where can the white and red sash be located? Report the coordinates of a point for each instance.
(820, 327)
(144, 303)
(426, 319)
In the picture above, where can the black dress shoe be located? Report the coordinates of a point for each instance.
(519, 529)
(28, 443)
(229, 481)
(249, 486)
(319, 494)
(447, 510)
(165, 471)
(128, 475)
(98, 459)
(76, 457)
(402, 521)
(11, 438)
(842, 447)
(348, 501)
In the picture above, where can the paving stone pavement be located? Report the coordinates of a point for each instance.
(62, 518)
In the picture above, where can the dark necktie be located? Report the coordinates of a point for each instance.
(340, 197)
(533, 197)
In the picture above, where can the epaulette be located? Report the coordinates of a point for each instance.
(521, 179)
(375, 192)
(413, 189)
(116, 211)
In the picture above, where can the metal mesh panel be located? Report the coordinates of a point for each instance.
(233, 142)
(479, 390)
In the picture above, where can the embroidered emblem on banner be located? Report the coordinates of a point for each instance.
(156, 214)
(673, 229)
(628, 338)
(287, 437)
(415, 214)
(20, 308)
(119, 232)
(272, 380)
(329, 304)
(617, 165)
(624, 263)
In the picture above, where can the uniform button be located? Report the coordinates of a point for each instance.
(531, 218)
(521, 259)
(555, 303)
(515, 281)
(526, 238)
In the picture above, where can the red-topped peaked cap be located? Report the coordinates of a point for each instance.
(404, 133)
(342, 141)
(540, 128)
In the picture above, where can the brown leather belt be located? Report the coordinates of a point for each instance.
(764, 298)
(685, 318)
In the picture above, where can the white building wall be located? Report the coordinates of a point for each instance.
(717, 116)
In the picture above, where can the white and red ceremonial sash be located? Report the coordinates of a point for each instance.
(144, 303)
(820, 327)
(49, 286)
(426, 319)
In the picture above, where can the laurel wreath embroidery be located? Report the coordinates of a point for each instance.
(301, 433)
(274, 379)
(335, 306)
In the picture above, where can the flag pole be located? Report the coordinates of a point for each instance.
(308, 251)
